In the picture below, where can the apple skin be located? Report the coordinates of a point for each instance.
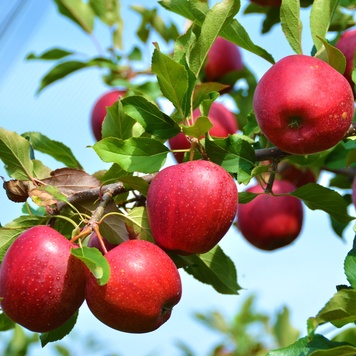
(191, 206)
(223, 58)
(94, 242)
(274, 3)
(303, 105)
(347, 45)
(224, 124)
(98, 112)
(41, 283)
(269, 222)
(297, 175)
(143, 287)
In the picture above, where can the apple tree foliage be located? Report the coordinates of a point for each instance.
(135, 131)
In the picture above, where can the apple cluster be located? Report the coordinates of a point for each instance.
(42, 285)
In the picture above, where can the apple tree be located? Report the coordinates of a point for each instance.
(117, 238)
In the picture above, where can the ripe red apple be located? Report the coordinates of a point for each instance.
(297, 175)
(267, 2)
(94, 242)
(271, 222)
(191, 206)
(98, 112)
(353, 192)
(143, 287)
(41, 284)
(224, 124)
(223, 58)
(347, 45)
(303, 105)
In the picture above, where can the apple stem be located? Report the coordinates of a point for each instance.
(272, 176)
(84, 233)
(100, 238)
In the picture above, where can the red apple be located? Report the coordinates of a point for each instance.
(94, 242)
(224, 124)
(191, 206)
(268, 2)
(223, 58)
(99, 110)
(270, 222)
(353, 193)
(347, 45)
(297, 175)
(303, 105)
(143, 287)
(41, 284)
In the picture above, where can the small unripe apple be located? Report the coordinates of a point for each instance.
(270, 222)
(303, 105)
(94, 242)
(191, 206)
(224, 124)
(347, 45)
(143, 287)
(41, 284)
(268, 2)
(223, 58)
(98, 112)
(297, 175)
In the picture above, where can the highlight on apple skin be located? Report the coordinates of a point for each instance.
(191, 206)
(303, 105)
(143, 287)
(270, 222)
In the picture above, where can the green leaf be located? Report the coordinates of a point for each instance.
(172, 78)
(135, 183)
(60, 71)
(117, 123)
(317, 197)
(332, 56)
(15, 152)
(350, 266)
(60, 332)
(201, 126)
(5, 322)
(233, 32)
(50, 55)
(13, 229)
(246, 197)
(95, 261)
(284, 331)
(215, 20)
(339, 310)
(216, 269)
(348, 335)
(317, 346)
(108, 11)
(148, 115)
(235, 154)
(320, 18)
(291, 24)
(137, 224)
(55, 149)
(79, 12)
(137, 154)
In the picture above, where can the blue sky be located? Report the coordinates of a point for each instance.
(302, 276)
